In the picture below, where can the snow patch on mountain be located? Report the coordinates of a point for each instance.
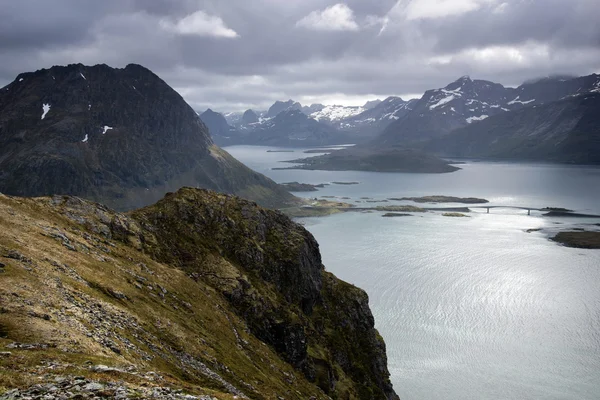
(516, 100)
(45, 109)
(480, 118)
(442, 101)
(336, 113)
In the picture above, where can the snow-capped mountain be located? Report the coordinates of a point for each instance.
(292, 127)
(373, 121)
(466, 101)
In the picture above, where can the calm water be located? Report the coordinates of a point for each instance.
(470, 308)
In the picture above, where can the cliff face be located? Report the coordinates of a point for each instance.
(213, 293)
(119, 136)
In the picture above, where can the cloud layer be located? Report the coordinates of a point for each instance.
(236, 54)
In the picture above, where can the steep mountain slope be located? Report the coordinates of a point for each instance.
(220, 131)
(120, 136)
(563, 131)
(201, 292)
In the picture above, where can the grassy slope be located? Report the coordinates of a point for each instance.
(149, 327)
(186, 288)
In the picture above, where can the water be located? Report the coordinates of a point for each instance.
(470, 308)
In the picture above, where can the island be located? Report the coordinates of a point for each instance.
(376, 160)
(579, 239)
(455, 215)
(391, 215)
(302, 187)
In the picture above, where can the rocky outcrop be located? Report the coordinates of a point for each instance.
(119, 136)
(212, 292)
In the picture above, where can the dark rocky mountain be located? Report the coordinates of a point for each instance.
(249, 117)
(119, 136)
(221, 132)
(201, 293)
(293, 128)
(280, 106)
(566, 131)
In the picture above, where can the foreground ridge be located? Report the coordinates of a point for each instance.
(202, 293)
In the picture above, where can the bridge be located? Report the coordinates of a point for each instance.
(529, 209)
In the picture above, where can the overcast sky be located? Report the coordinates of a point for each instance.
(237, 54)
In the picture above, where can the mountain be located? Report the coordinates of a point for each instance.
(313, 108)
(220, 131)
(440, 111)
(466, 101)
(567, 131)
(371, 104)
(463, 107)
(280, 106)
(292, 128)
(118, 136)
(201, 294)
(249, 117)
(372, 121)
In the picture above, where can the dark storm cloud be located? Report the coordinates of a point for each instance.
(236, 54)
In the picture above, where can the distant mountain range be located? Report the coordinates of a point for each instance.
(550, 119)
(122, 137)
(289, 123)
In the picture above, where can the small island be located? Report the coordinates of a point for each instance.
(578, 239)
(345, 183)
(302, 187)
(455, 215)
(391, 215)
(442, 199)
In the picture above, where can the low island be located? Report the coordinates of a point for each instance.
(579, 239)
(376, 160)
(302, 187)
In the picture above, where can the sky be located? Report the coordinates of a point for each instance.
(231, 55)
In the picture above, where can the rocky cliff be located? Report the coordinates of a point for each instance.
(119, 136)
(202, 293)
